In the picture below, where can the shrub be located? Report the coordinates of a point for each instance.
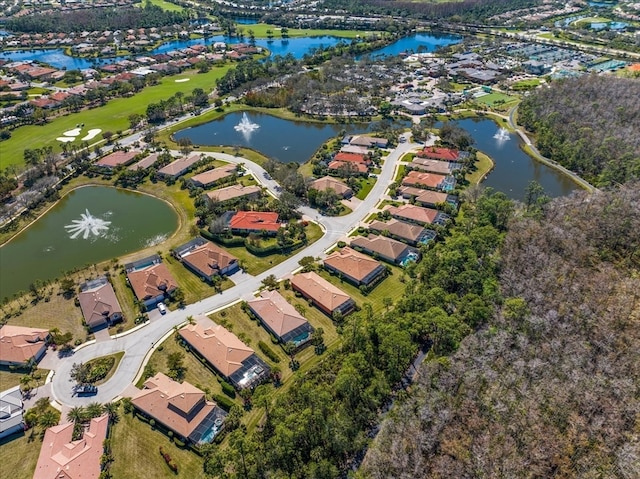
(167, 458)
(268, 352)
(228, 389)
(223, 401)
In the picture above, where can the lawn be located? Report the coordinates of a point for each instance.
(589, 20)
(402, 171)
(172, 7)
(194, 288)
(111, 117)
(9, 379)
(500, 98)
(526, 84)
(260, 31)
(484, 165)
(365, 187)
(19, 456)
(135, 447)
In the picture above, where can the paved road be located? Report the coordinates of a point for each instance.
(137, 344)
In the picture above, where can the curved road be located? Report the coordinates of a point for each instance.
(137, 343)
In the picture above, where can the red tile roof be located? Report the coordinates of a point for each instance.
(348, 166)
(414, 213)
(255, 221)
(429, 180)
(208, 258)
(152, 281)
(321, 291)
(437, 153)
(117, 158)
(352, 263)
(350, 157)
(19, 344)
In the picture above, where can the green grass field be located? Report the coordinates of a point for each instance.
(172, 7)
(366, 184)
(526, 84)
(19, 456)
(260, 31)
(585, 22)
(483, 166)
(111, 117)
(500, 98)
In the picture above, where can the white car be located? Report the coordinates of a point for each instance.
(162, 308)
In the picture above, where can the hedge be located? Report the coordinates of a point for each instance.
(268, 352)
(233, 241)
(228, 389)
(223, 401)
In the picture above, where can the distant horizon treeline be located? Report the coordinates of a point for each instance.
(590, 125)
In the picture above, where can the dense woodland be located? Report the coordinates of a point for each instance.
(322, 422)
(96, 19)
(465, 10)
(550, 387)
(588, 124)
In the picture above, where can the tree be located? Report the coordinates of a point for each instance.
(94, 409)
(134, 120)
(80, 372)
(48, 419)
(175, 363)
(77, 415)
(68, 286)
(270, 282)
(317, 339)
(308, 263)
(111, 408)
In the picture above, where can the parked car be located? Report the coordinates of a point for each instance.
(86, 389)
(162, 308)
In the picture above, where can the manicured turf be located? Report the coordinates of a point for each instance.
(483, 165)
(19, 456)
(492, 98)
(9, 379)
(194, 288)
(365, 187)
(111, 117)
(260, 31)
(172, 7)
(589, 20)
(526, 84)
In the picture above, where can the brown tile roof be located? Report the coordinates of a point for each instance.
(352, 263)
(208, 258)
(424, 196)
(328, 182)
(385, 247)
(369, 141)
(429, 180)
(255, 220)
(179, 407)
(60, 457)
(117, 158)
(277, 313)
(348, 166)
(152, 281)
(433, 166)
(232, 192)
(19, 344)
(220, 347)
(98, 304)
(179, 166)
(320, 290)
(146, 162)
(398, 228)
(211, 176)
(414, 213)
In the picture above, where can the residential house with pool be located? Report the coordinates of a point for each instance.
(412, 234)
(99, 304)
(206, 259)
(418, 215)
(330, 299)
(387, 249)
(21, 346)
(236, 362)
(280, 318)
(150, 280)
(355, 267)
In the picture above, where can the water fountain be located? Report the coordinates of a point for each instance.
(246, 126)
(502, 135)
(87, 225)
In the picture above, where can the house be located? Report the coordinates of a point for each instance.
(424, 180)
(150, 280)
(11, 411)
(388, 249)
(345, 168)
(216, 175)
(434, 166)
(418, 215)
(206, 259)
(407, 232)
(245, 222)
(20, 346)
(62, 457)
(179, 167)
(230, 357)
(327, 297)
(146, 162)
(330, 183)
(442, 154)
(117, 158)
(179, 407)
(359, 150)
(355, 267)
(351, 158)
(99, 304)
(369, 141)
(427, 198)
(280, 318)
(233, 192)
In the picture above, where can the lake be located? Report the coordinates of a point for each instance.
(283, 140)
(119, 222)
(514, 169)
(297, 46)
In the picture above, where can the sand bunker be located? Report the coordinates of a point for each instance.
(65, 139)
(74, 132)
(182, 80)
(91, 134)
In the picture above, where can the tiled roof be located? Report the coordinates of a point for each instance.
(433, 166)
(232, 192)
(348, 166)
(179, 166)
(386, 247)
(117, 158)
(320, 290)
(414, 213)
(179, 406)
(430, 180)
(19, 344)
(398, 228)
(352, 263)
(255, 220)
(60, 457)
(145, 162)
(152, 281)
(208, 258)
(328, 182)
(446, 154)
(277, 313)
(350, 157)
(220, 347)
(211, 176)
(98, 304)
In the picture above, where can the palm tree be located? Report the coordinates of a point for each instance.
(111, 409)
(76, 415)
(94, 409)
(48, 419)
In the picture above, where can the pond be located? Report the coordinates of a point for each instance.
(297, 46)
(89, 225)
(283, 140)
(514, 169)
